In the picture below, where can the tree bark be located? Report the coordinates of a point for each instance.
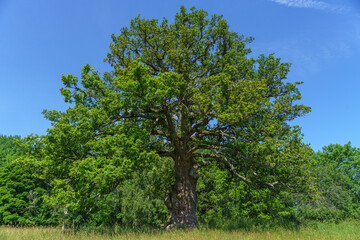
(181, 199)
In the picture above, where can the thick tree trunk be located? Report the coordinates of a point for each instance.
(181, 200)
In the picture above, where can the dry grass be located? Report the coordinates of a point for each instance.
(343, 231)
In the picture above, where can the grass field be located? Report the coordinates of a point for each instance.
(346, 231)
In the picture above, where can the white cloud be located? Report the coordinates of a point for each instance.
(303, 3)
(320, 5)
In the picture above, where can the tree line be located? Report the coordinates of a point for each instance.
(186, 128)
(224, 201)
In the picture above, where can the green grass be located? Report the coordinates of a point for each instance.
(345, 230)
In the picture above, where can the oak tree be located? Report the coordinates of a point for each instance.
(187, 90)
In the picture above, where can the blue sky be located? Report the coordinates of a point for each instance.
(40, 40)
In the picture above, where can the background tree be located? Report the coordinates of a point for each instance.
(21, 194)
(8, 149)
(185, 90)
(336, 168)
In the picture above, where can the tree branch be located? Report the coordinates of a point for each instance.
(232, 168)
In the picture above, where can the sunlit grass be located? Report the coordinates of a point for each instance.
(346, 231)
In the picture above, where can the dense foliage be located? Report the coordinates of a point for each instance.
(21, 194)
(224, 201)
(8, 150)
(337, 181)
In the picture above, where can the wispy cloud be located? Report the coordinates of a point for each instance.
(320, 5)
(303, 3)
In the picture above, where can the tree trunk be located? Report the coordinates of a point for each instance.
(181, 200)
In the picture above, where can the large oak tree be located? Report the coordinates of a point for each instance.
(187, 90)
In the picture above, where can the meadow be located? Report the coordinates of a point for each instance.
(341, 231)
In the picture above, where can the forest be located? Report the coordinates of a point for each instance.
(186, 131)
